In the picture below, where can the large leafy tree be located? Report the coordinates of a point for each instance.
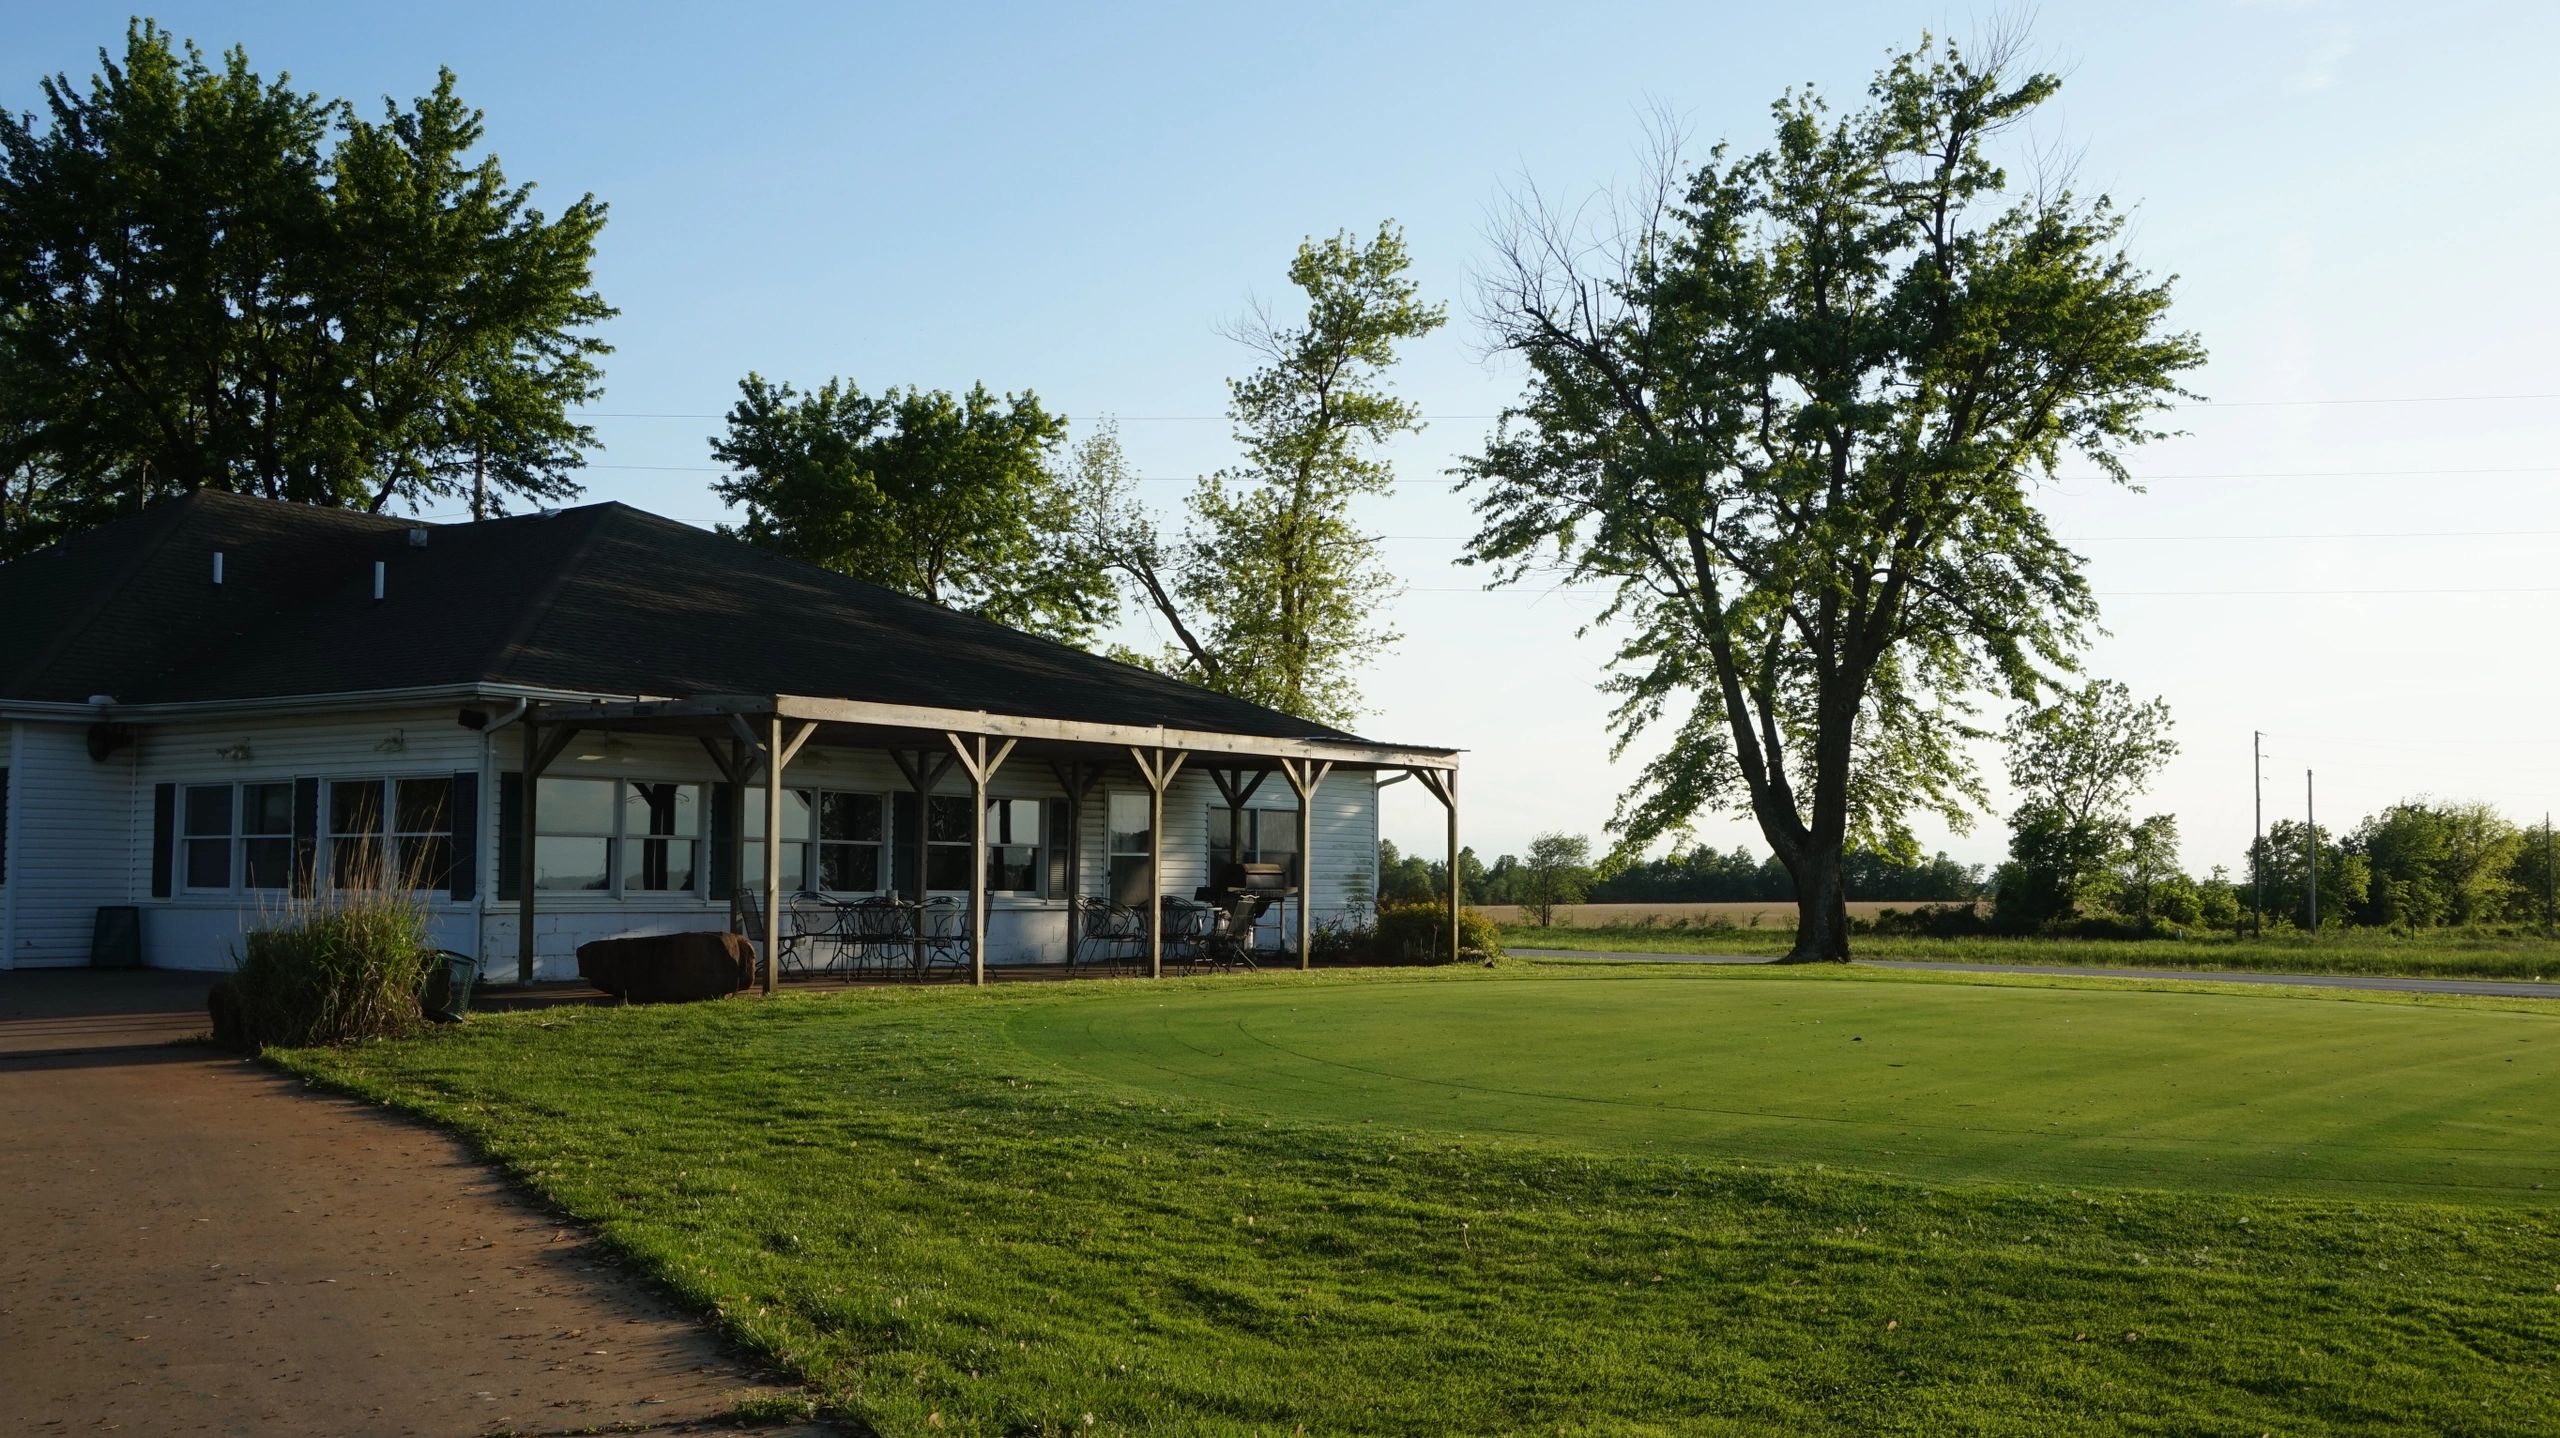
(1790, 409)
(956, 499)
(1274, 592)
(213, 280)
(2078, 763)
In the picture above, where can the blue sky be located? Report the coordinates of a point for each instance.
(1070, 200)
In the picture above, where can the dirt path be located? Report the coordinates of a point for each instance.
(2490, 988)
(198, 1245)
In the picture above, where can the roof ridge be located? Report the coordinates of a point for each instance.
(538, 605)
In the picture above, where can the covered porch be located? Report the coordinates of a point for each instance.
(753, 742)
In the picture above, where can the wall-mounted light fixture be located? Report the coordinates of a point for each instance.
(396, 742)
(239, 753)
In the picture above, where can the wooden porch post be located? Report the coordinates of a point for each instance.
(528, 808)
(540, 748)
(1443, 784)
(775, 759)
(1158, 772)
(982, 767)
(1304, 775)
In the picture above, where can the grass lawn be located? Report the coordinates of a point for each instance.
(2434, 956)
(1580, 1201)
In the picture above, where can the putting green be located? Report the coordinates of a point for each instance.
(2118, 1086)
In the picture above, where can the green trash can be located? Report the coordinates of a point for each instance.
(448, 993)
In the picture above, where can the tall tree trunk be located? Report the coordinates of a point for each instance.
(1822, 906)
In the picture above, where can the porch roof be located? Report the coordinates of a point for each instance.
(855, 723)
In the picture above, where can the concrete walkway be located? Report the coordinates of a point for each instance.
(201, 1246)
(2491, 988)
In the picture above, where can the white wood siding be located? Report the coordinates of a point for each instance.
(202, 931)
(73, 844)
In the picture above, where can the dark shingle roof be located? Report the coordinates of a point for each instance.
(599, 599)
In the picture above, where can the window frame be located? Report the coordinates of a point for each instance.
(883, 849)
(228, 836)
(1112, 853)
(236, 837)
(1039, 847)
(387, 835)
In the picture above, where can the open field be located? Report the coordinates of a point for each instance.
(2425, 956)
(1779, 916)
(1584, 1201)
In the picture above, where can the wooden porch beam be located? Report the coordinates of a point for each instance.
(1304, 776)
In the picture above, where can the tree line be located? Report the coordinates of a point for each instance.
(1558, 869)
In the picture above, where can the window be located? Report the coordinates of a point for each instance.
(236, 837)
(1128, 818)
(851, 831)
(1270, 837)
(604, 836)
(421, 851)
(948, 833)
(1013, 846)
(387, 833)
(795, 841)
(660, 822)
(574, 835)
(204, 854)
(266, 836)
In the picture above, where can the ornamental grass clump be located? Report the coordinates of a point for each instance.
(333, 969)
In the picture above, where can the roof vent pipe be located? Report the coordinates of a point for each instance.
(217, 568)
(417, 539)
(377, 581)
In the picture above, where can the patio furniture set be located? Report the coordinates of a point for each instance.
(891, 938)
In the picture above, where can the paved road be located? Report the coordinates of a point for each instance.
(2493, 988)
(201, 1246)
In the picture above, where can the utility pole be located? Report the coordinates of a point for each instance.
(2258, 843)
(2311, 851)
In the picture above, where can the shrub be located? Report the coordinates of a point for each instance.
(333, 971)
(1407, 933)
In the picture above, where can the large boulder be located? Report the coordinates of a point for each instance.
(669, 968)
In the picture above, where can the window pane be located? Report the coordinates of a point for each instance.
(209, 863)
(660, 866)
(576, 806)
(1013, 868)
(424, 806)
(674, 809)
(355, 806)
(795, 814)
(1274, 834)
(571, 864)
(1013, 821)
(424, 863)
(1129, 823)
(269, 863)
(1220, 818)
(266, 809)
(946, 866)
(1129, 880)
(849, 868)
(795, 872)
(947, 821)
(209, 809)
(850, 816)
(355, 863)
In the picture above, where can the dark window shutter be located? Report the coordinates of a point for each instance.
(1059, 887)
(306, 837)
(466, 836)
(905, 822)
(164, 837)
(728, 810)
(510, 885)
(4, 824)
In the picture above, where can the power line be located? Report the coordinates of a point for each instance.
(2058, 479)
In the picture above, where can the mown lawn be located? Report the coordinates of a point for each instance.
(1449, 1202)
(2416, 956)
